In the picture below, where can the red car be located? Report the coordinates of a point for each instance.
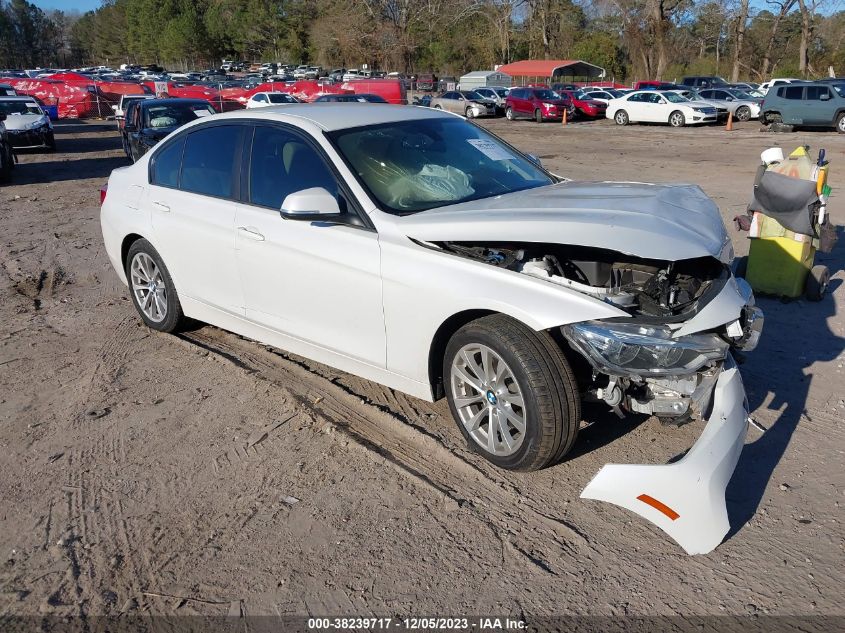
(540, 104)
(584, 105)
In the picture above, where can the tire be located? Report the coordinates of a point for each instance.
(142, 252)
(676, 119)
(536, 374)
(743, 113)
(469, 113)
(438, 107)
(51, 142)
(767, 118)
(509, 114)
(817, 283)
(538, 116)
(840, 123)
(621, 117)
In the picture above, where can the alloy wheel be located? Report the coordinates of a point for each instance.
(488, 399)
(149, 287)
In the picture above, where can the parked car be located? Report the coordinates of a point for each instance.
(466, 102)
(7, 153)
(583, 104)
(602, 94)
(149, 121)
(350, 98)
(120, 108)
(337, 74)
(540, 104)
(27, 125)
(656, 85)
(300, 71)
(650, 106)
(6, 89)
(741, 104)
(557, 87)
(817, 104)
(705, 81)
(424, 101)
(496, 94)
(391, 90)
(780, 81)
(465, 271)
(426, 82)
(691, 94)
(264, 99)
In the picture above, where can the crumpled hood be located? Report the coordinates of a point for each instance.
(655, 221)
(21, 121)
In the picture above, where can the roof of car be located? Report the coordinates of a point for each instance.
(172, 100)
(332, 116)
(17, 98)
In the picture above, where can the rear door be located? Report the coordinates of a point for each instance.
(194, 182)
(818, 106)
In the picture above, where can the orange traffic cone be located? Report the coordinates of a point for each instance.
(730, 126)
(563, 120)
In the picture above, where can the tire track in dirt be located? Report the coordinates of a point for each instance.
(479, 489)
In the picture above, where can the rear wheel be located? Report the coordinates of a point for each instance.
(152, 289)
(621, 117)
(538, 116)
(676, 119)
(509, 114)
(511, 392)
(743, 113)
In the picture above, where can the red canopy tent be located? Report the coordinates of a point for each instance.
(553, 69)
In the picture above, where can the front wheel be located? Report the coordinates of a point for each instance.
(538, 116)
(152, 289)
(743, 113)
(840, 123)
(6, 163)
(621, 117)
(51, 142)
(470, 113)
(676, 119)
(511, 392)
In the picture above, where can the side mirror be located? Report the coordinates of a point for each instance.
(729, 99)
(824, 97)
(534, 159)
(310, 205)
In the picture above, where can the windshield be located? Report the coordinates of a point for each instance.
(471, 94)
(19, 107)
(411, 166)
(673, 97)
(280, 97)
(173, 114)
(740, 94)
(546, 94)
(502, 92)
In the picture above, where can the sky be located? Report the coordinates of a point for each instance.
(68, 5)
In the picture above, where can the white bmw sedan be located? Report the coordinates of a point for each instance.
(413, 248)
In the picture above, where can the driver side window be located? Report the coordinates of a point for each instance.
(282, 163)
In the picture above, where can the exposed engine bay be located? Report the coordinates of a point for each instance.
(638, 286)
(635, 365)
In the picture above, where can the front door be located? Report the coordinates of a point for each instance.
(315, 281)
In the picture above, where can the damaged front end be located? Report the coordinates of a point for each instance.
(671, 358)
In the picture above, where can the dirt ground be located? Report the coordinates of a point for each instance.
(205, 473)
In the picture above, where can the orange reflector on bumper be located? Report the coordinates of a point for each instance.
(657, 505)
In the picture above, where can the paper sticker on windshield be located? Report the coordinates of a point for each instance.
(490, 149)
(202, 113)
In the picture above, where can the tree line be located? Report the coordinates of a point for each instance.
(632, 39)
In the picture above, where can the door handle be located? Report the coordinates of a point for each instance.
(161, 206)
(250, 232)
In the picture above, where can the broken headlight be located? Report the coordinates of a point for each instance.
(626, 349)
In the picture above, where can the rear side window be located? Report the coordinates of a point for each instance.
(793, 92)
(209, 160)
(814, 93)
(166, 164)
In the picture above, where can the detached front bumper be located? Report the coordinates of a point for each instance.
(686, 499)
